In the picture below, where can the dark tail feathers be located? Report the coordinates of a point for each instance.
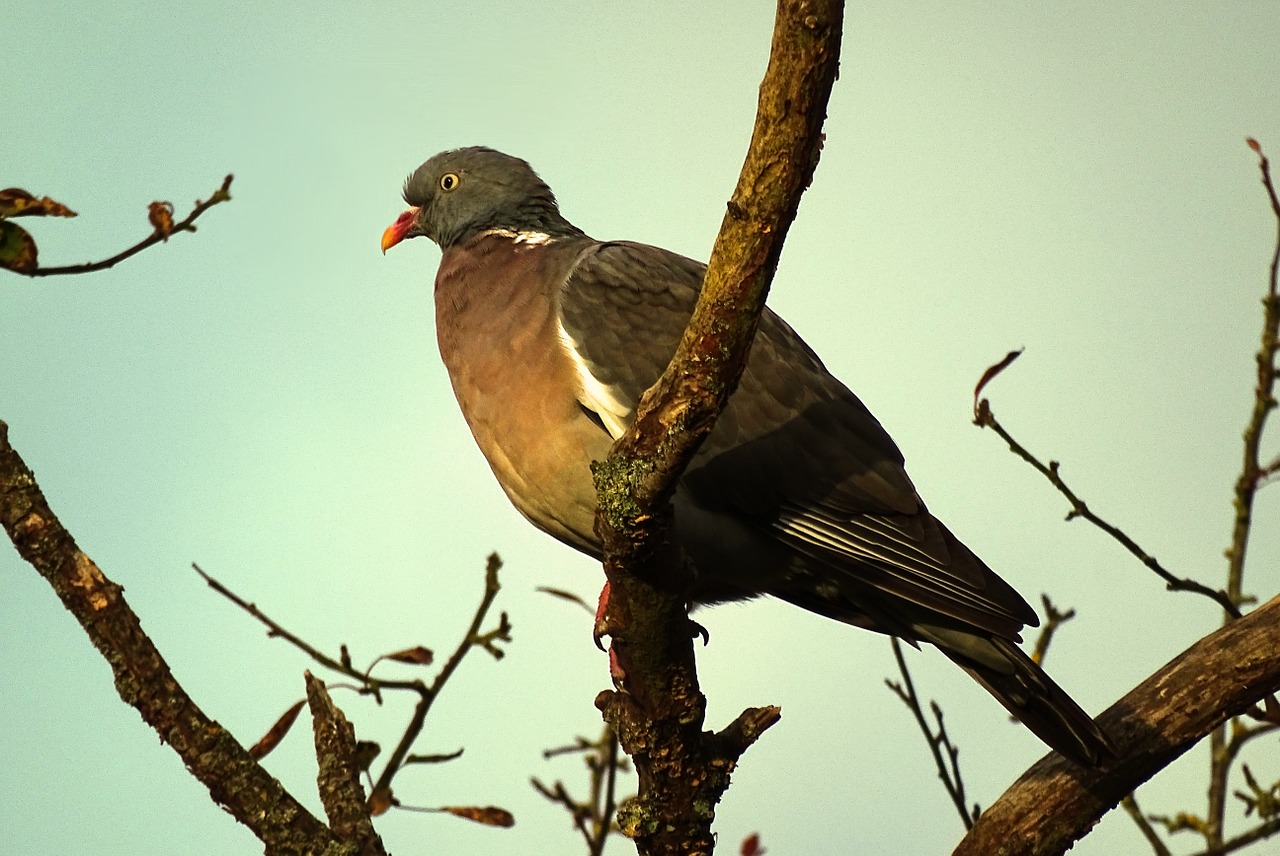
(1031, 696)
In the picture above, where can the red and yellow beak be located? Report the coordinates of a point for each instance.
(396, 232)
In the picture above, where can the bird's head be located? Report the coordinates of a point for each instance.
(459, 193)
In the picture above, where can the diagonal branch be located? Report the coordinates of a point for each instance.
(984, 418)
(1055, 803)
(235, 781)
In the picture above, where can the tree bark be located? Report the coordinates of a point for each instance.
(1055, 803)
(235, 781)
(658, 709)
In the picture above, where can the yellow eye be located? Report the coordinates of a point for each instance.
(449, 181)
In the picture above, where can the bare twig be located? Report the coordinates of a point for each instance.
(1130, 805)
(1053, 619)
(594, 816)
(428, 695)
(1251, 474)
(222, 194)
(380, 796)
(946, 755)
(985, 418)
(1258, 833)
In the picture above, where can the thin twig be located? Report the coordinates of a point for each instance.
(985, 418)
(222, 194)
(1244, 839)
(594, 816)
(380, 793)
(371, 685)
(1130, 805)
(429, 694)
(945, 754)
(1053, 619)
(1251, 474)
(603, 821)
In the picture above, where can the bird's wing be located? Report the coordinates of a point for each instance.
(795, 453)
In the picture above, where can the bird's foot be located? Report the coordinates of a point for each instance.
(696, 629)
(600, 628)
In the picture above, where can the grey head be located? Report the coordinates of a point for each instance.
(462, 192)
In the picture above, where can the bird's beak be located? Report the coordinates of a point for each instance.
(396, 232)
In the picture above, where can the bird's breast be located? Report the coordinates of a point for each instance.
(498, 333)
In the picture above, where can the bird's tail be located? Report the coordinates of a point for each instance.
(1029, 694)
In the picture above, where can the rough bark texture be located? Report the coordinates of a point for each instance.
(658, 710)
(339, 776)
(1055, 802)
(235, 781)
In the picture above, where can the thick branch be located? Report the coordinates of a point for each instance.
(1055, 802)
(658, 715)
(142, 677)
(339, 775)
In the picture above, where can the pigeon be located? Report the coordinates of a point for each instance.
(550, 337)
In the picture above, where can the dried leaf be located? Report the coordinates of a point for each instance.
(17, 248)
(488, 815)
(1253, 144)
(380, 801)
(366, 751)
(751, 845)
(160, 214)
(991, 372)
(566, 595)
(417, 655)
(345, 656)
(16, 202)
(272, 738)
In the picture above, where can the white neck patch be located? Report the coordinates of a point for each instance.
(534, 238)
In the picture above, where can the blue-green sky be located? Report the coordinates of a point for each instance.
(265, 398)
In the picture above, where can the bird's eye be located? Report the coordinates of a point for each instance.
(449, 181)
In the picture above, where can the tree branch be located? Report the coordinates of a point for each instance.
(161, 233)
(1055, 802)
(946, 755)
(339, 776)
(658, 712)
(983, 417)
(142, 677)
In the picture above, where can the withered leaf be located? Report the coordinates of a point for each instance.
(366, 751)
(416, 655)
(751, 845)
(488, 815)
(991, 372)
(16, 202)
(272, 738)
(160, 214)
(17, 248)
(380, 801)
(566, 595)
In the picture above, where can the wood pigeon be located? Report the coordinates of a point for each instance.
(550, 337)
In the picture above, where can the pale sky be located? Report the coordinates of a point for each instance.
(265, 397)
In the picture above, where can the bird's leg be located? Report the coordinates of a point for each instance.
(696, 629)
(600, 628)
